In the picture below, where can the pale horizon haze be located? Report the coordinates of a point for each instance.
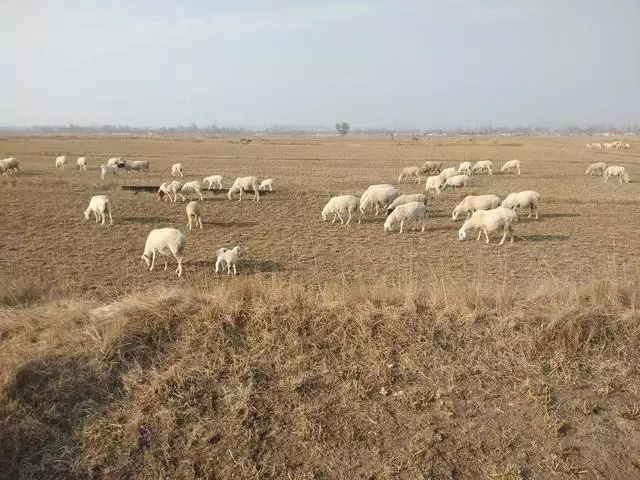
(401, 63)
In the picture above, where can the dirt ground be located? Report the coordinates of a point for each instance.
(584, 223)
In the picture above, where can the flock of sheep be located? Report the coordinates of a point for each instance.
(617, 145)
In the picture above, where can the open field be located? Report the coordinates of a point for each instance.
(331, 355)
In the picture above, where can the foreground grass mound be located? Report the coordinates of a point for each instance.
(263, 379)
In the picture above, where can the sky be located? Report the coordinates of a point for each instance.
(372, 63)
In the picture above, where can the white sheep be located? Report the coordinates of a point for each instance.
(378, 196)
(191, 187)
(597, 168)
(483, 165)
(117, 161)
(244, 183)
(409, 172)
(167, 188)
(431, 166)
(228, 257)
(136, 165)
(99, 205)
(524, 199)
(464, 168)
(448, 172)
(588, 146)
(61, 161)
(597, 146)
(10, 165)
(4, 168)
(105, 169)
(267, 183)
(409, 212)
(194, 212)
(511, 165)
(627, 146)
(614, 171)
(81, 163)
(474, 203)
(213, 180)
(176, 169)
(165, 242)
(488, 221)
(404, 199)
(457, 181)
(434, 183)
(343, 204)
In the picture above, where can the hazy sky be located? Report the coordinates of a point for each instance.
(404, 63)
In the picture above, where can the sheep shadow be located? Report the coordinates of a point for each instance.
(144, 220)
(546, 238)
(561, 215)
(231, 224)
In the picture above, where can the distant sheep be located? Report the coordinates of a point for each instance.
(9, 165)
(627, 146)
(194, 213)
(99, 205)
(342, 205)
(404, 199)
(464, 168)
(81, 163)
(474, 203)
(483, 166)
(191, 187)
(267, 183)
(165, 242)
(614, 171)
(488, 221)
(527, 198)
(597, 168)
(511, 165)
(213, 180)
(378, 196)
(167, 188)
(244, 183)
(176, 170)
(457, 181)
(409, 172)
(106, 169)
(61, 161)
(434, 183)
(431, 166)
(414, 212)
(229, 258)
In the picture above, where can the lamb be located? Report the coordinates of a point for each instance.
(490, 221)
(61, 161)
(213, 180)
(167, 188)
(81, 163)
(448, 172)
(244, 183)
(176, 169)
(474, 203)
(433, 183)
(191, 187)
(165, 242)
(117, 161)
(10, 165)
(136, 165)
(465, 167)
(409, 172)
(228, 257)
(431, 167)
(194, 212)
(267, 183)
(483, 165)
(457, 181)
(614, 171)
(597, 168)
(99, 205)
(105, 169)
(378, 196)
(343, 204)
(404, 199)
(527, 198)
(409, 212)
(511, 165)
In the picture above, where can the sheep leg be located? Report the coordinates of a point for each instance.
(401, 225)
(201, 197)
(511, 234)
(102, 216)
(271, 188)
(179, 259)
(218, 262)
(153, 260)
(200, 220)
(334, 217)
(486, 234)
(166, 261)
(340, 217)
(504, 235)
(348, 219)
(479, 235)
(235, 272)
(377, 211)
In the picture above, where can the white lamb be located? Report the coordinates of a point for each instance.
(10, 165)
(409, 172)
(431, 166)
(81, 163)
(597, 168)
(490, 221)
(213, 180)
(524, 199)
(404, 199)
(511, 165)
(61, 161)
(99, 205)
(474, 203)
(165, 242)
(176, 169)
(457, 181)
(483, 165)
(415, 212)
(106, 169)
(191, 187)
(448, 172)
(434, 183)
(244, 183)
(228, 257)
(342, 205)
(464, 168)
(614, 171)
(167, 188)
(378, 196)
(267, 183)
(194, 212)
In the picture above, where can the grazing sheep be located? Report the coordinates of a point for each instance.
(176, 169)
(10, 165)
(194, 212)
(614, 171)
(597, 146)
(378, 196)
(409, 212)
(167, 188)
(61, 161)
(457, 181)
(511, 165)
(627, 146)
(434, 183)
(4, 168)
(213, 180)
(267, 183)
(343, 204)
(483, 165)
(99, 205)
(191, 187)
(165, 242)
(474, 203)
(244, 183)
(524, 199)
(136, 165)
(105, 169)
(117, 161)
(228, 257)
(409, 172)
(597, 168)
(431, 167)
(404, 199)
(81, 163)
(464, 168)
(448, 172)
(490, 221)
(588, 146)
